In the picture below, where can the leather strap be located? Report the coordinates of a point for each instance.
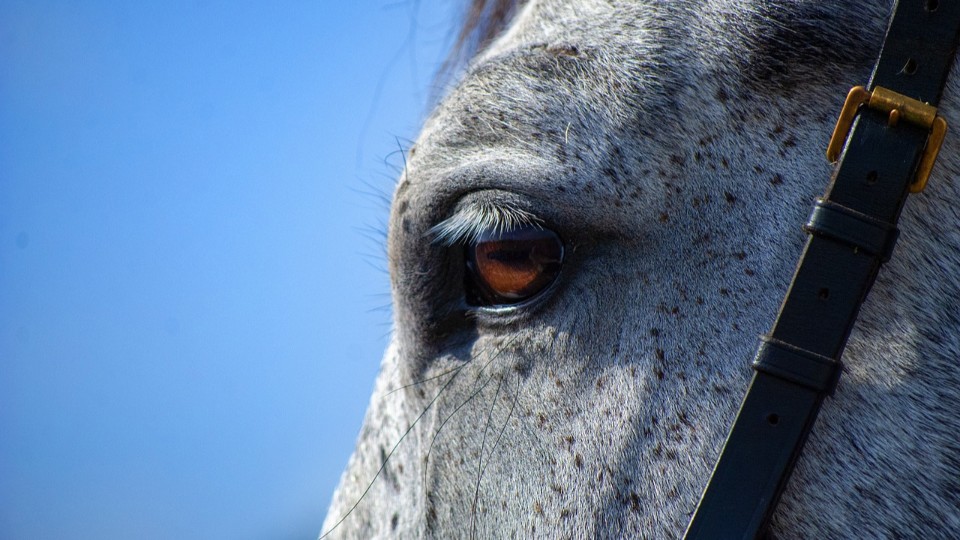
(852, 232)
(857, 230)
(799, 366)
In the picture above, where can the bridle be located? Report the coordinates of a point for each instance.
(889, 152)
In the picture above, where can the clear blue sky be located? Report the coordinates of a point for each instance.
(193, 301)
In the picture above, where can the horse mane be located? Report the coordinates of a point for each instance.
(483, 21)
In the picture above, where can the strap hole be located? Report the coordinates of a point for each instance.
(932, 5)
(910, 67)
(823, 293)
(872, 177)
(773, 419)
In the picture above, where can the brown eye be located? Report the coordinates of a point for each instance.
(511, 266)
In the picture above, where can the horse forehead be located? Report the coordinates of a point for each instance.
(532, 97)
(603, 62)
(781, 28)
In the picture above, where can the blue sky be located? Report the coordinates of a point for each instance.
(193, 301)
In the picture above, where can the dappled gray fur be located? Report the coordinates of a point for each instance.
(675, 148)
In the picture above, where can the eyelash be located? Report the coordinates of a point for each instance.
(470, 223)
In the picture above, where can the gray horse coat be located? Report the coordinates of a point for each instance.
(675, 148)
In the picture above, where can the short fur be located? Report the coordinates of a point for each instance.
(675, 147)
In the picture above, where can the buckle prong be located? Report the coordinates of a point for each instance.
(898, 107)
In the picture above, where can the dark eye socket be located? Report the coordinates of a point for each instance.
(512, 266)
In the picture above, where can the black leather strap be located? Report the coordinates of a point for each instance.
(799, 366)
(858, 230)
(852, 231)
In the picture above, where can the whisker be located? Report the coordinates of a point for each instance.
(383, 465)
(464, 402)
(421, 381)
(503, 428)
(540, 445)
(447, 419)
(483, 443)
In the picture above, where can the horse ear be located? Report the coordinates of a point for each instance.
(483, 21)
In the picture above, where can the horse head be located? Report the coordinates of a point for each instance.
(590, 232)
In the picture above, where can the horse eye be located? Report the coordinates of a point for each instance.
(511, 266)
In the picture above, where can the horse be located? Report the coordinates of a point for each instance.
(592, 229)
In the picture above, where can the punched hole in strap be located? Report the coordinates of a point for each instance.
(799, 366)
(837, 222)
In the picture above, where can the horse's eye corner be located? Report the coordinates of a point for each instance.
(505, 268)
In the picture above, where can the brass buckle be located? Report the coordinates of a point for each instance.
(898, 107)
